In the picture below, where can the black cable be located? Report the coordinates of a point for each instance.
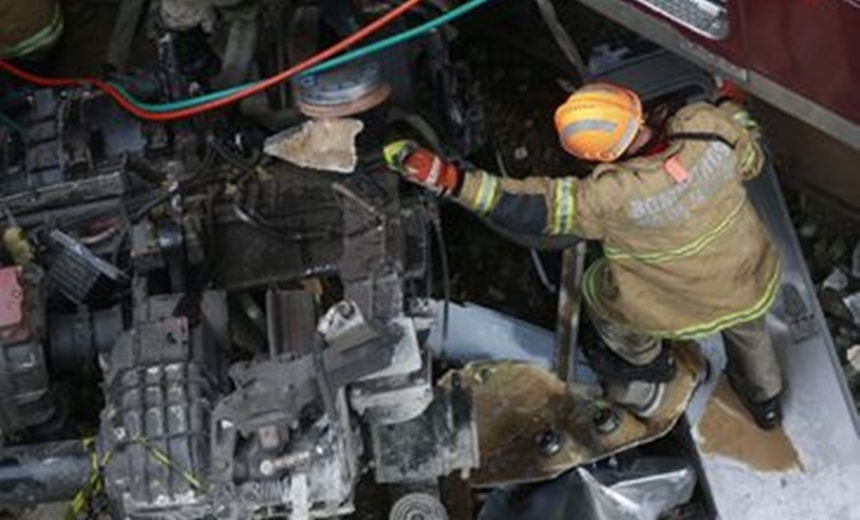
(436, 221)
(227, 155)
(191, 181)
(279, 233)
(124, 233)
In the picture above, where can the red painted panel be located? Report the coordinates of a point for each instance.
(810, 46)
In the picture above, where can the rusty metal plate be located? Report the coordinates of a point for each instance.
(517, 405)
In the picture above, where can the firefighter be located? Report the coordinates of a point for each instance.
(684, 252)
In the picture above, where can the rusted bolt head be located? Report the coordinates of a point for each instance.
(549, 443)
(606, 420)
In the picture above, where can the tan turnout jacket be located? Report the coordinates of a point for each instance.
(685, 254)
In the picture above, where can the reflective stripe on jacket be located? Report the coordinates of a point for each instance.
(685, 253)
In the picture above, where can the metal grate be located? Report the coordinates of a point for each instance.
(706, 17)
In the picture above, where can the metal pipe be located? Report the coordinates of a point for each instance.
(562, 38)
(270, 467)
(41, 473)
(569, 309)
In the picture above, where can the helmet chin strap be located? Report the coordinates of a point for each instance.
(644, 136)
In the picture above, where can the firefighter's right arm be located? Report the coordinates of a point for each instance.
(537, 206)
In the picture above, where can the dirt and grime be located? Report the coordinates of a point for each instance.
(520, 95)
(515, 425)
(728, 430)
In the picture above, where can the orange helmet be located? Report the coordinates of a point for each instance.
(599, 121)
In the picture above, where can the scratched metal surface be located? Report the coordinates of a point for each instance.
(515, 403)
(820, 420)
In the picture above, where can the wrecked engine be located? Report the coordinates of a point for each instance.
(251, 329)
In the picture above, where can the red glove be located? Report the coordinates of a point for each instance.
(727, 89)
(421, 166)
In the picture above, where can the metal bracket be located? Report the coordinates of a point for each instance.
(569, 309)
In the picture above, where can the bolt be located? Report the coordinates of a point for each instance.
(549, 443)
(606, 420)
(267, 468)
(345, 310)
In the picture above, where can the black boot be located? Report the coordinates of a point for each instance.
(612, 367)
(767, 413)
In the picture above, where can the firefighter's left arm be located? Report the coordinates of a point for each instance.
(744, 132)
(536, 206)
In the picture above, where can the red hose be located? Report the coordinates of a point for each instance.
(127, 105)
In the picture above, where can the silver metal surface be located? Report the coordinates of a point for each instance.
(644, 491)
(478, 333)
(820, 419)
(401, 391)
(700, 16)
(418, 506)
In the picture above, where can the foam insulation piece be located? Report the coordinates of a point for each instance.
(318, 144)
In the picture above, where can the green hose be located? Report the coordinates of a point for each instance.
(395, 39)
(179, 105)
(322, 67)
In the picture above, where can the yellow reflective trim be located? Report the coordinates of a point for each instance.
(563, 207)
(476, 199)
(571, 215)
(727, 321)
(686, 250)
(565, 218)
(588, 285)
(730, 320)
(748, 159)
(743, 118)
(485, 195)
(555, 217)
